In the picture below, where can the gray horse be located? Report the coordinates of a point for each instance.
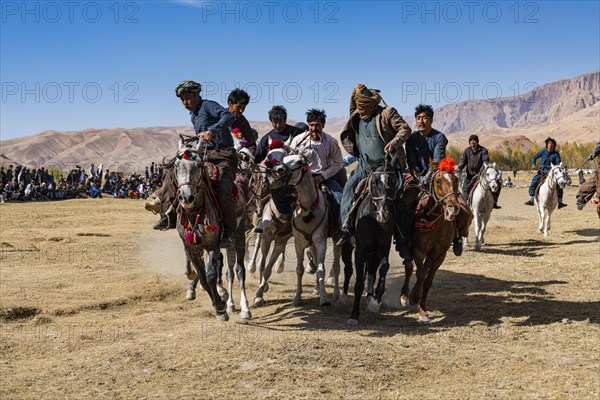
(199, 226)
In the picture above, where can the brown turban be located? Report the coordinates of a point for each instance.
(367, 97)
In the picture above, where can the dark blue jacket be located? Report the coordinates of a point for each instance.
(419, 150)
(547, 158)
(211, 116)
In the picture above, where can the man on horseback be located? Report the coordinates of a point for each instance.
(326, 159)
(211, 122)
(370, 133)
(423, 147)
(473, 158)
(237, 101)
(283, 132)
(589, 187)
(549, 156)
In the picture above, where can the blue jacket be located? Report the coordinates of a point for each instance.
(547, 158)
(420, 150)
(211, 116)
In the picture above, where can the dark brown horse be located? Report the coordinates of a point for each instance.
(433, 234)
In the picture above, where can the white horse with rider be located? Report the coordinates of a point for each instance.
(546, 199)
(481, 199)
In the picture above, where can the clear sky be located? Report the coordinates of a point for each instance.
(72, 65)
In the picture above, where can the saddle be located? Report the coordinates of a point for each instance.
(539, 185)
(471, 186)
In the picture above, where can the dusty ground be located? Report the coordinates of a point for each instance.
(92, 306)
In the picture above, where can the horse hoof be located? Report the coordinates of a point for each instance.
(342, 301)
(231, 309)
(192, 276)
(246, 315)
(251, 269)
(373, 306)
(330, 281)
(259, 302)
(222, 316)
(424, 319)
(404, 301)
(352, 321)
(477, 247)
(325, 303)
(190, 295)
(223, 293)
(297, 301)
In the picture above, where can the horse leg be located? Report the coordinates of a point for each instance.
(547, 222)
(262, 270)
(240, 270)
(335, 267)
(408, 270)
(431, 265)
(280, 262)
(417, 290)
(231, 261)
(359, 285)
(374, 304)
(478, 223)
(212, 271)
(222, 291)
(486, 219)
(321, 250)
(299, 269)
(257, 247)
(347, 259)
(541, 215)
(189, 272)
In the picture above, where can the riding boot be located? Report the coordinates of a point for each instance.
(346, 231)
(457, 246)
(529, 202)
(259, 227)
(560, 199)
(167, 221)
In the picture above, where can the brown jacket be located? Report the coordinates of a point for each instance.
(391, 127)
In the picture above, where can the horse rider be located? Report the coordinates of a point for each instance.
(325, 161)
(211, 122)
(237, 101)
(423, 147)
(283, 132)
(588, 188)
(473, 158)
(549, 156)
(370, 133)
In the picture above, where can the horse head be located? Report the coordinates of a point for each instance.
(245, 160)
(444, 188)
(558, 174)
(277, 172)
(188, 171)
(490, 176)
(382, 188)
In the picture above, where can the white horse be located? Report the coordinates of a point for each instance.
(309, 225)
(482, 200)
(546, 199)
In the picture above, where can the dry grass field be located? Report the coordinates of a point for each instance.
(92, 306)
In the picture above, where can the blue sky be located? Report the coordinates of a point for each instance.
(103, 64)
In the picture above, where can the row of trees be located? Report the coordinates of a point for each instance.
(509, 158)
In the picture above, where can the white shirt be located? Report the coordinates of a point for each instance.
(326, 158)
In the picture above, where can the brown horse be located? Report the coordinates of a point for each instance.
(433, 234)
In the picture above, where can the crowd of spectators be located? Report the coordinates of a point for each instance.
(36, 184)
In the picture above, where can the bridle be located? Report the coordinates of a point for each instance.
(192, 155)
(439, 200)
(483, 177)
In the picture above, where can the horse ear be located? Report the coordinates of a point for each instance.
(181, 143)
(552, 165)
(494, 165)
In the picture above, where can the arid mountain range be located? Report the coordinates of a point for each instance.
(568, 110)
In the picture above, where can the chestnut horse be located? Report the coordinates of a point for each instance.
(433, 234)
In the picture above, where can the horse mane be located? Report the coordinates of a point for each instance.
(169, 162)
